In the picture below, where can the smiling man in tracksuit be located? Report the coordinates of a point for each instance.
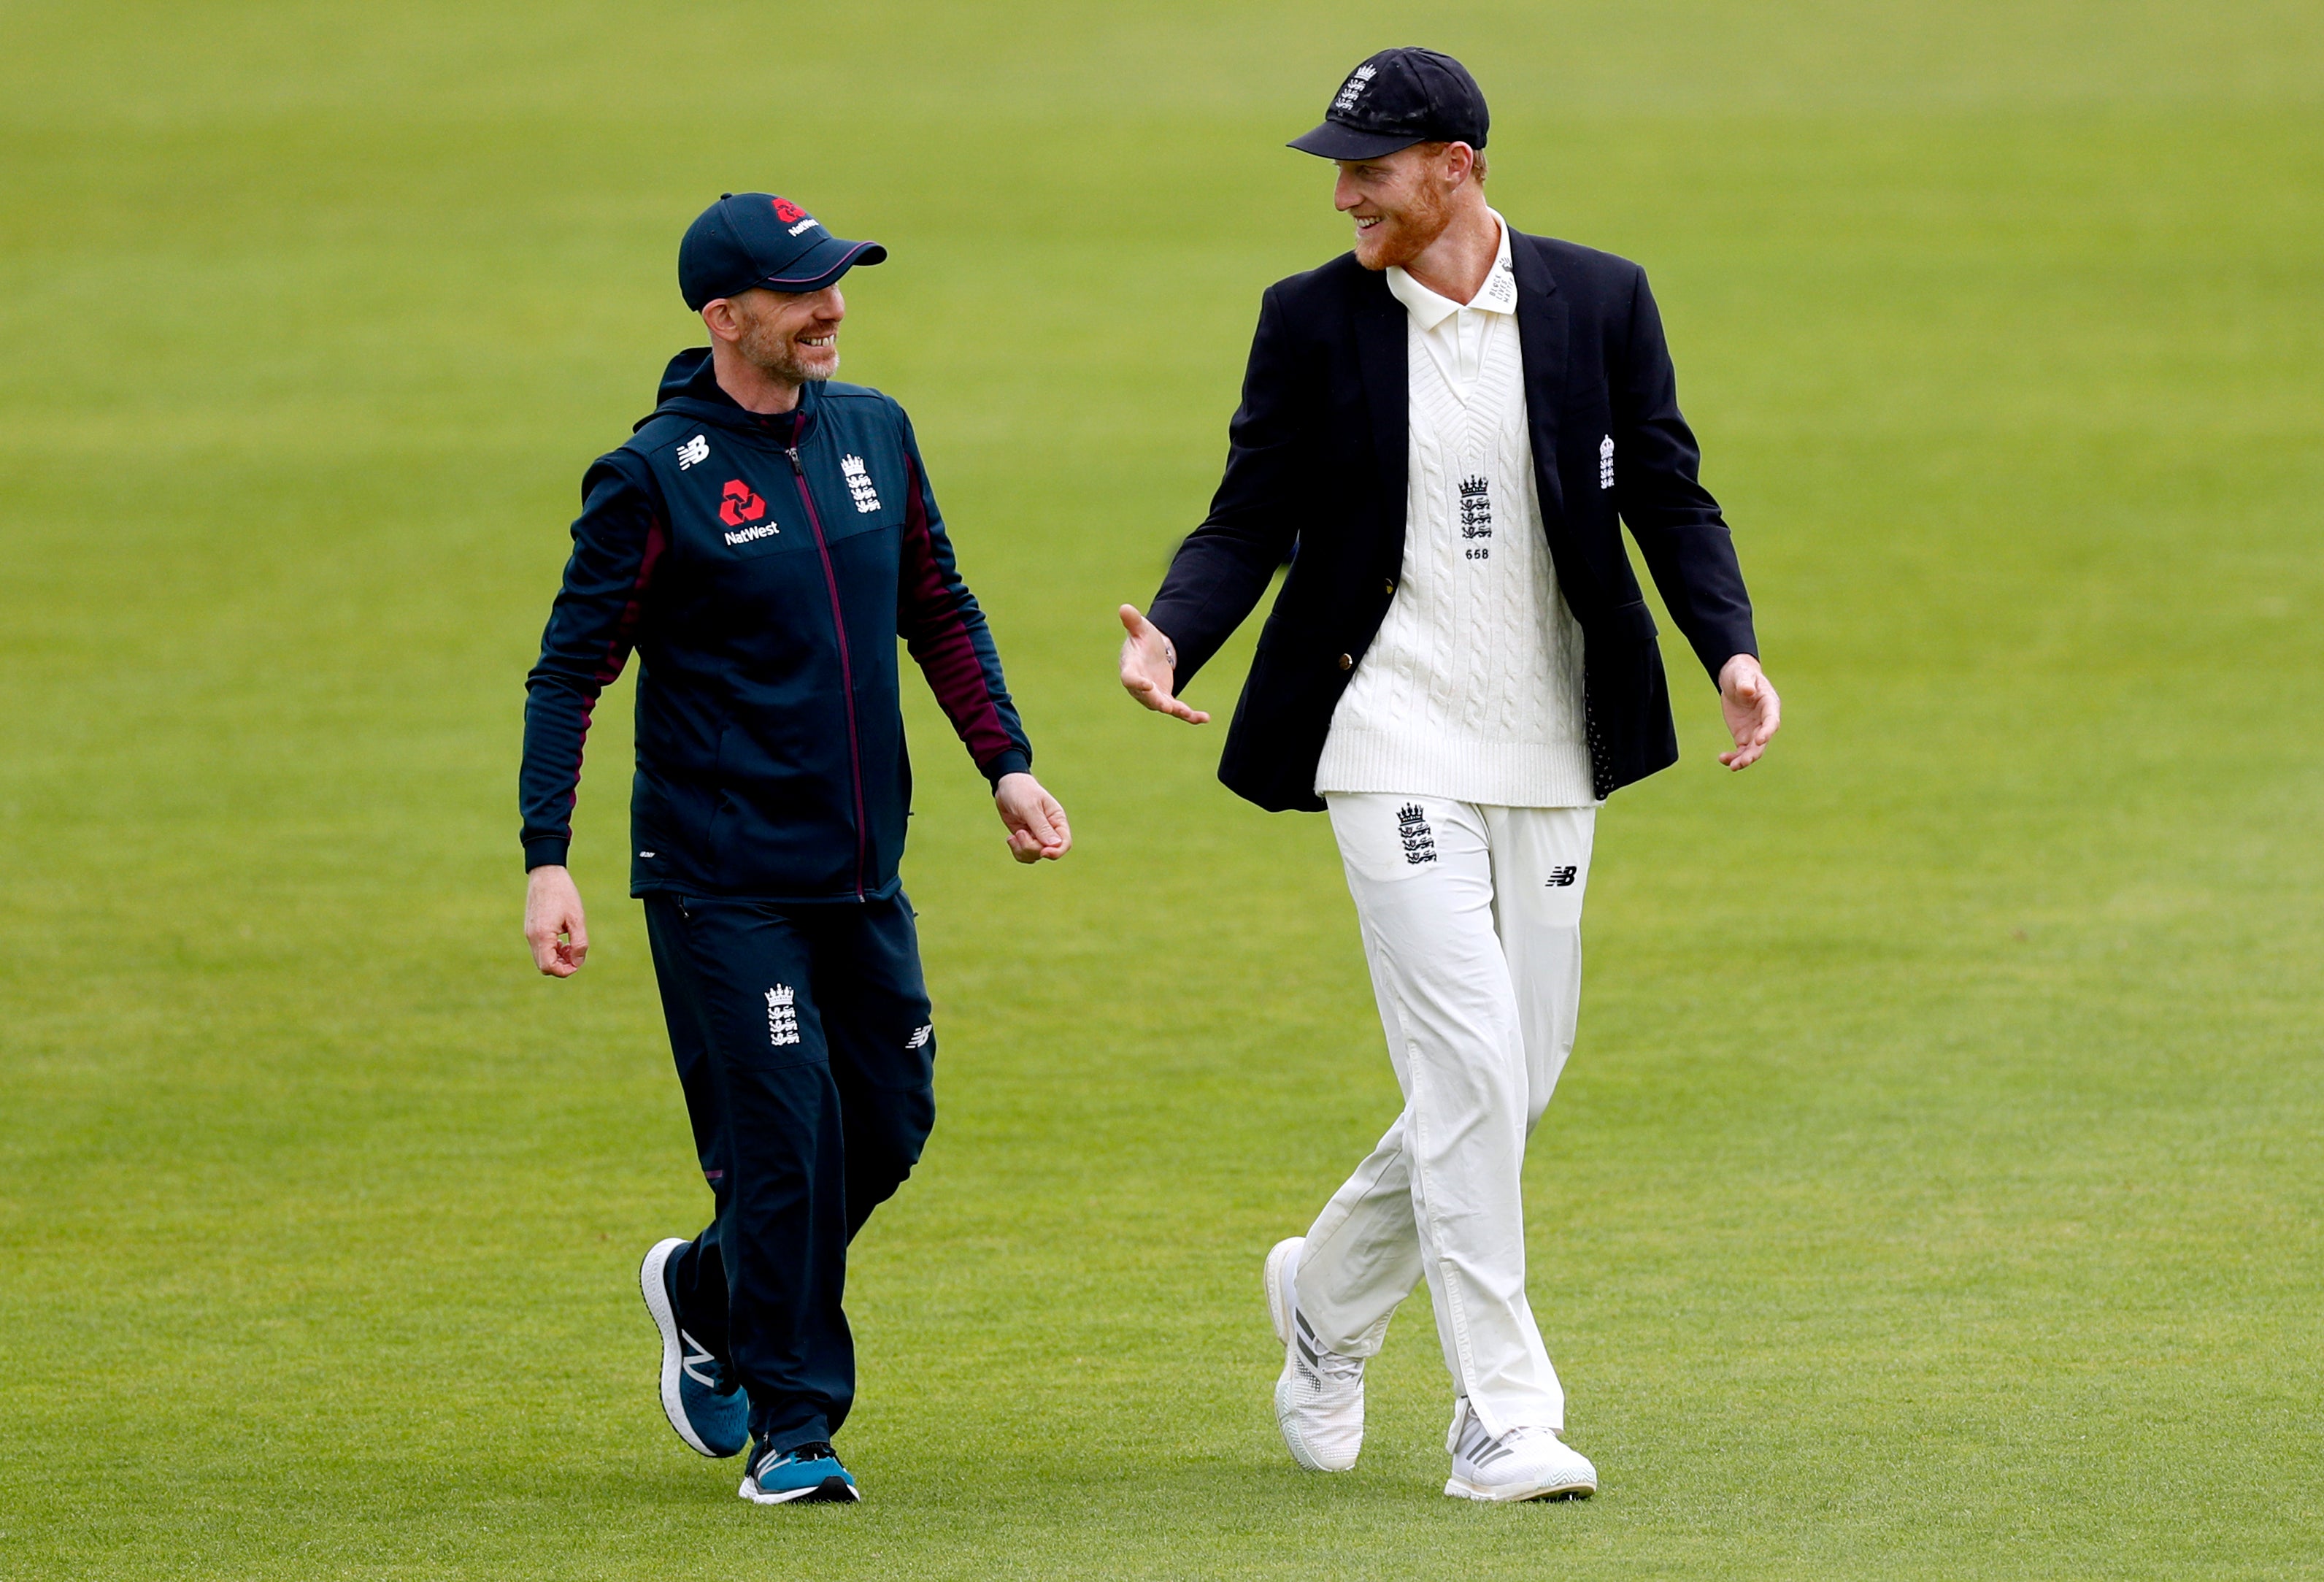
(762, 541)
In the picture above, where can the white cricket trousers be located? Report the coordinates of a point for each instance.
(1472, 919)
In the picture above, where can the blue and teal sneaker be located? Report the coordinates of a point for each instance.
(707, 1409)
(805, 1473)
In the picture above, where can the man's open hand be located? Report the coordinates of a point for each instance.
(1149, 668)
(553, 924)
(1748, 699)
(1036, 822)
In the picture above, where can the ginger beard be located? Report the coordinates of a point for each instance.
(1407, 211)
(792, 338)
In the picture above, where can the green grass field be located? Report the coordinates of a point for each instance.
(1937, 1189)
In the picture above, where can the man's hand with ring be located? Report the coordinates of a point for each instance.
(1149, 668)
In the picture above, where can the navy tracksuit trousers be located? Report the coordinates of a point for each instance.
(804, 1044)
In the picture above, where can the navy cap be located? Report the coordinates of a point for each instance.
(1395, 99)
(748, 239)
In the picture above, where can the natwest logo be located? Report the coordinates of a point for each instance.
(740, 504)
(787, 211)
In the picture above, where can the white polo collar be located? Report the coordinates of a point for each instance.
(1499, 294)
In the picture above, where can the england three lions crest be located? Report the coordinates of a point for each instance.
(859, 485)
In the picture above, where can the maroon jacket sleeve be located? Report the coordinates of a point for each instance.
(945, 632)
(617, 541)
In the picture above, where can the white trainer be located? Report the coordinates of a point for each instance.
(1319, 1400)
(1524, 1464)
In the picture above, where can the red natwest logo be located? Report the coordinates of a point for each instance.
(740, 504)
(787, 211)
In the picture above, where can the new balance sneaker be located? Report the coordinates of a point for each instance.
(707, 1409)
(805, 1475)
(1319, 1400)
(1524, 1464)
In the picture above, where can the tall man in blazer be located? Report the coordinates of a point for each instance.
(1444, 429)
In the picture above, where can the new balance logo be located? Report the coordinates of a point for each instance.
(1559, 878)
(1606, 462)
(696, 1355)
(1304, 1338)
(1412, 828)
(783, 1016)
(694, 450)
(859, 484)
(920, 1039)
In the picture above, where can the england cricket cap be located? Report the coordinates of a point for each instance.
(1395, 99)
(748, 239)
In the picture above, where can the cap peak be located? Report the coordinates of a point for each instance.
(763, 242)
(1395, 98)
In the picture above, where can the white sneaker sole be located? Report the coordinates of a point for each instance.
(1282, 1269)
(831, 1490)
(656, 1291)
(1282, 1266)
(1461, 1488)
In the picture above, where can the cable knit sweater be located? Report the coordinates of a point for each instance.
(1472, 689)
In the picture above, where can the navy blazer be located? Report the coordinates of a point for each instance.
(1316, 462)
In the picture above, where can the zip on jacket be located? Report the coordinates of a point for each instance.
(846, 670)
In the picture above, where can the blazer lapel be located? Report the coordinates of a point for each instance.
(1380, 351)
(1541, 337)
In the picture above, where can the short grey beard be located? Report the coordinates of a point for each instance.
(782, 363)
(790, 370)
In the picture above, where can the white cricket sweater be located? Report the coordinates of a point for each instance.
(1472, 689)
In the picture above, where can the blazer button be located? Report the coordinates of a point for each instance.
(1391, 584)
(1346, 663)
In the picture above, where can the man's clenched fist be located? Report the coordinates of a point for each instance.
(553, 924)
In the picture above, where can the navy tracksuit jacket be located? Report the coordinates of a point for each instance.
(764, 567)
